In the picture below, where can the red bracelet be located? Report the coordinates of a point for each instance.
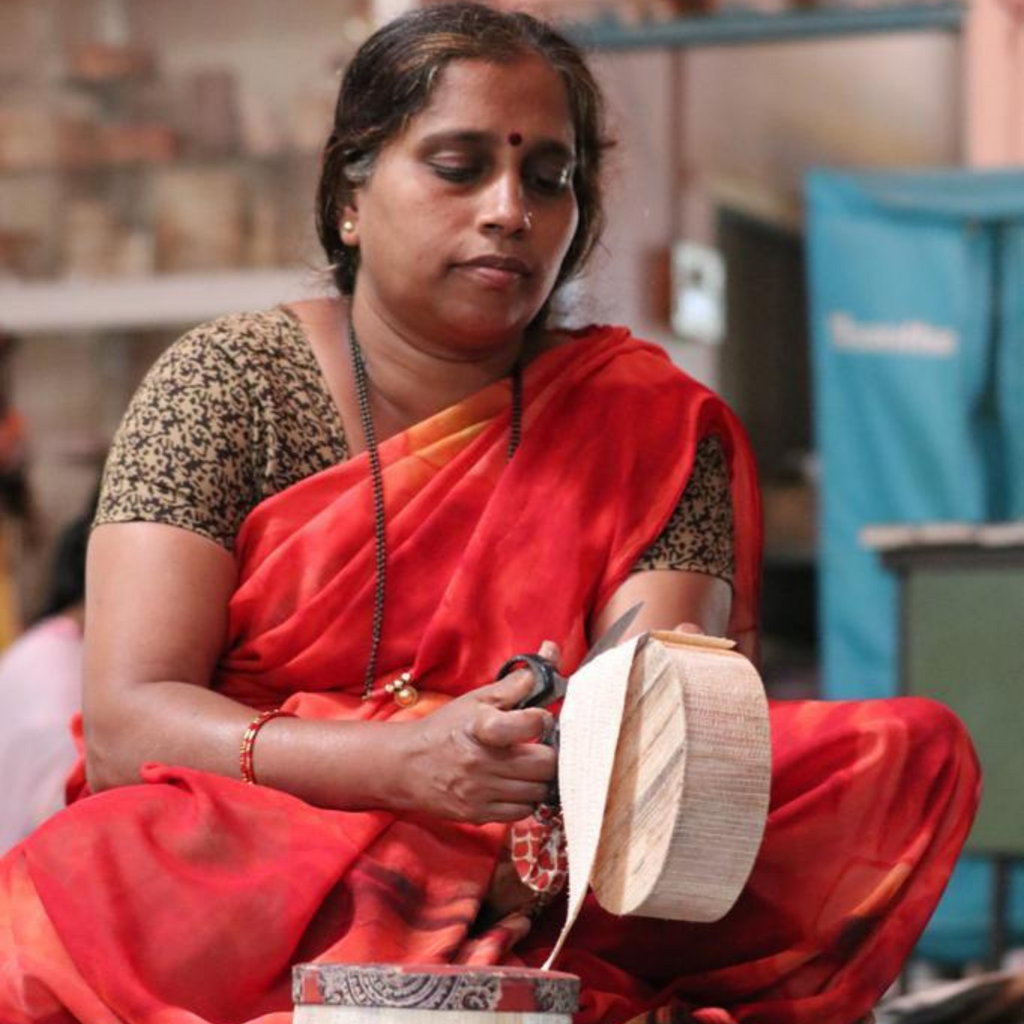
(249, 740)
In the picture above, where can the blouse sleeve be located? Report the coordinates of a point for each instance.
(183, 454)
(699, 536)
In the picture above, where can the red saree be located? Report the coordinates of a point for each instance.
(187, 898)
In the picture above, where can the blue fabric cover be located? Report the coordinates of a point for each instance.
(916, 286)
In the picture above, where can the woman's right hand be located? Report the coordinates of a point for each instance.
(477, 759)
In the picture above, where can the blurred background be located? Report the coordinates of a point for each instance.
(157, 166)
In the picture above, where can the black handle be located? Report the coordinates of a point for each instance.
(545, 679)
(545, 688)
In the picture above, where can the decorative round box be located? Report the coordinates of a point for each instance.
(431, 994)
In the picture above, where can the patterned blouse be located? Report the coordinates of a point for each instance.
(238, 410)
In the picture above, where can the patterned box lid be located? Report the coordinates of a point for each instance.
(436, 987)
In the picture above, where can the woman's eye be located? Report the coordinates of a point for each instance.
(458, 173)
(551, 181)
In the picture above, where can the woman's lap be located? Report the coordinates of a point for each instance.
(870, 804)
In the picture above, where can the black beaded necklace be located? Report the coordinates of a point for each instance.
(402, 690)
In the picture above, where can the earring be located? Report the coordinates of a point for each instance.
(347, 225)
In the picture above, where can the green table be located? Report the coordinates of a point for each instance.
(961, 641)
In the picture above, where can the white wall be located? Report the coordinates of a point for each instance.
(748, 123)
(762, 115)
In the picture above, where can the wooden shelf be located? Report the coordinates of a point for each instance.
(171, 301)
(95, 167)
(740, 28)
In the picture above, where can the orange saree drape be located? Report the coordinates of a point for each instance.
(187, 898)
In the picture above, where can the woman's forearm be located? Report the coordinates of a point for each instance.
(156, 624)
(344, 765)
(473, 759)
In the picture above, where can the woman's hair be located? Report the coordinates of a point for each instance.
(390, 80)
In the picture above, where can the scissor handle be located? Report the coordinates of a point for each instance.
(545, 677)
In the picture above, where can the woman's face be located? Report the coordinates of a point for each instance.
(468, 214)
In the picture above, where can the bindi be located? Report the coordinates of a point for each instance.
(515, 139)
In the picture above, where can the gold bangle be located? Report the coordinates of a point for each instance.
(249, 740)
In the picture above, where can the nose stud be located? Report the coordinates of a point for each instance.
(527, 220)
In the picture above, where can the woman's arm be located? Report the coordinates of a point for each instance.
(156, 618)
(671, 597)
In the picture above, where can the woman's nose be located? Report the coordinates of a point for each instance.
(504, 206)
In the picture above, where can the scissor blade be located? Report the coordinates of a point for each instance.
(613, 634)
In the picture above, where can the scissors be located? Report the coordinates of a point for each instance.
(549, 684)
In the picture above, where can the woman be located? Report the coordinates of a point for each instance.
(353, 512)
(41, 689)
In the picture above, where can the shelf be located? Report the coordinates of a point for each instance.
(170, 301)
(901, 537)
(282, 160)
(745, 27)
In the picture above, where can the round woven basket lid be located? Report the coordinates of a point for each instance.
(436, 987)
(664, 769)
(689, 798)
